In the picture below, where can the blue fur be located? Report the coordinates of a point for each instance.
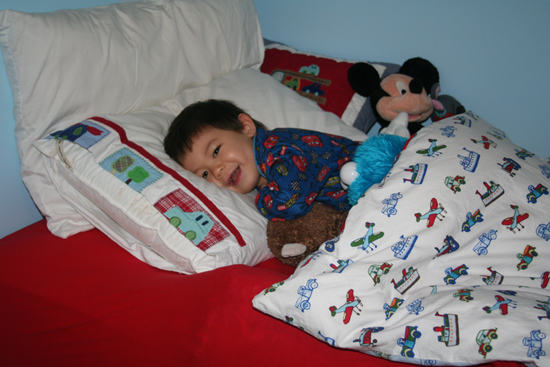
(374, 158)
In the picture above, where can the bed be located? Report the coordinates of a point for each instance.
(138, 262)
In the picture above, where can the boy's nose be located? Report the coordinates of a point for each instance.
(218, 171)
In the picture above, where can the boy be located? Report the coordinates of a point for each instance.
(290, 168)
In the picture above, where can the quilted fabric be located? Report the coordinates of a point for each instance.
(446, 262)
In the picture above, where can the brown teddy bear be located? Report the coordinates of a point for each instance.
(293, 240)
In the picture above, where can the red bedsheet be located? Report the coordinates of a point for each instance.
(84, 301)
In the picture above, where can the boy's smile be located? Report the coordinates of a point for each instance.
(226, 158)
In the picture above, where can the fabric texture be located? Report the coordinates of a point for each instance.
(301, 167)
(324, 80)
(374, 160)
(445, 262)
(68, 65)
(113, 171)
(83, 301)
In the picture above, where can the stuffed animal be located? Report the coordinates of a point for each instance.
(405, 91)
(293, 240)
(372, 162)
(400, 103)
(444, 104)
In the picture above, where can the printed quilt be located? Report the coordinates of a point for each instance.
(445, 262)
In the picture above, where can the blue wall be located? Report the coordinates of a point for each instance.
(493, 56)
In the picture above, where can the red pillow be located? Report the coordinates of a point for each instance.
(321, 79)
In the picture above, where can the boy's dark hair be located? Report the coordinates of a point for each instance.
(197, 117)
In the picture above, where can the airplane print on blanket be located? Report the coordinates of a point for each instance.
(445, 262)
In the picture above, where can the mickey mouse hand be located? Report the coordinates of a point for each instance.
(398, 126)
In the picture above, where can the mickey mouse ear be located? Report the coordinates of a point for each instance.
(363, 78)
(419, 68)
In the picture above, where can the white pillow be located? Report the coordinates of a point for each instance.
(117, 176)
(256, 93)
(68, 65)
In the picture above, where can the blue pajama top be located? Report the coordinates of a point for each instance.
(301, 166)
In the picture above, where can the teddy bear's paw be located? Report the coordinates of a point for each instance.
(292, 249)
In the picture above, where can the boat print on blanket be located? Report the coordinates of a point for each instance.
(452, 267)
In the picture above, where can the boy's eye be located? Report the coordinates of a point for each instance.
(205, 174)
(216, 151)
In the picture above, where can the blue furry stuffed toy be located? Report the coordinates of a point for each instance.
(373, 160)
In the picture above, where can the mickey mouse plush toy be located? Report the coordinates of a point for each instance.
(400, 103)
(406, 91)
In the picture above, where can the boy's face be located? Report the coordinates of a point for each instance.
(226, 158)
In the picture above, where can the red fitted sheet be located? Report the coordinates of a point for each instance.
(84, 301)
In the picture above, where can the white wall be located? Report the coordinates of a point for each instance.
(493, 56)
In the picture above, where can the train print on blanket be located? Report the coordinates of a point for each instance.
(445, 262)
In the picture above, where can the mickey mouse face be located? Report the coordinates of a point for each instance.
(404, 94)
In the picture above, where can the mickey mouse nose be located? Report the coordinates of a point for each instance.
(416, 86)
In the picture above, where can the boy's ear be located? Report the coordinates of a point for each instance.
(249, 127)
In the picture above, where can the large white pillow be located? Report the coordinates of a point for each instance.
(113, 171)
(68, 65)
